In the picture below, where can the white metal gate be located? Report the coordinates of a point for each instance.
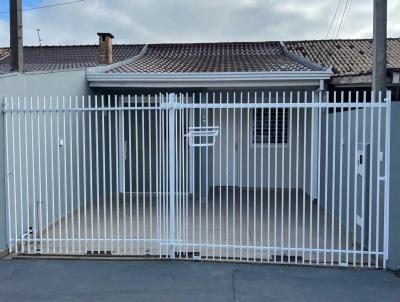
(240, 176)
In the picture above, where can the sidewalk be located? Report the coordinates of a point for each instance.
(98, 280)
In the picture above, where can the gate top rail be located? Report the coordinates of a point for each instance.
(253, 101)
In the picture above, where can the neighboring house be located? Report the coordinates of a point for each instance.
(210, 150)
(351, 61)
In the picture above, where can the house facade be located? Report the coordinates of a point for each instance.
(233, 151)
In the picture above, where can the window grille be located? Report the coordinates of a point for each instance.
(270, 126)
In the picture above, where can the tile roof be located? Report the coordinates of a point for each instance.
(3, 52)
(212, 57)
(347, 57)
(47, 58)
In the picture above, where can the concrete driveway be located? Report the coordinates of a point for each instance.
(227, 219)
(106, 280)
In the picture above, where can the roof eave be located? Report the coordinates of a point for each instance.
(212, 79)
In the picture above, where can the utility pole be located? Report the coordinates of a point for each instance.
(16, 38)
(379, 47)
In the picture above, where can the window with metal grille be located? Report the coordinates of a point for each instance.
(270, 126)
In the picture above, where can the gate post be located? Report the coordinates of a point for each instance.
(393, 192)
(171, 159)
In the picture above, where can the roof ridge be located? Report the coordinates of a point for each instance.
(212, 43)
(337, 40)
(72, 45)
(106, 68)
(302, 60)
(150, 44)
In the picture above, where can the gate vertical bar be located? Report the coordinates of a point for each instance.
(213, 187)
(123, 166)
(378, 174)
(370, 191)
(130, 170)
(319, 174)
(290, 176)
(84, 175)
(58, 174)
(187, 161)
(96, 133)
(297, 179)
(78, 184)
(348, 178)
(71, 185)
(333, 179)
(171, 147)
(234, 179)
(387, 176)
(7, 174)
(90, 172)
(143, 172)
(356, 135)
(66, 235)
(103, 139)
(151, 178)
(14, 177)
(282, 176)
(46, 178)
(312, 193)
(304, 180)
(363, 179)
(22, 247)
(326, 176)
(341, 144)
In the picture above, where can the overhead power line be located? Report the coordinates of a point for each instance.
(334, 18)
(341, 19)
(345, 13)
(46, 6)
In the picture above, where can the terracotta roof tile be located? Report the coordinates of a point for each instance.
(346, 57)
(3, 52)
(66, 57)
(212, 57)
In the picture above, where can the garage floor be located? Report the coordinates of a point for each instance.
(230, 224)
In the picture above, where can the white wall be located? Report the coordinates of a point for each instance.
(42, 85)
(240, 163)
(39, 84)
(394, 196)
(343, 185)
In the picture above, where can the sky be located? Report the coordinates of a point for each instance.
(151, 21)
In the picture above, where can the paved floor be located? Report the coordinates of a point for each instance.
(95, 280)
(231, 223)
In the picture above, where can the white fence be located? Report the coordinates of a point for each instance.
(239, 176)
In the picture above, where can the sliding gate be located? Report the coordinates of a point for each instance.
(236, 176)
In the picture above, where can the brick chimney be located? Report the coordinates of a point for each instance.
(105, 56)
